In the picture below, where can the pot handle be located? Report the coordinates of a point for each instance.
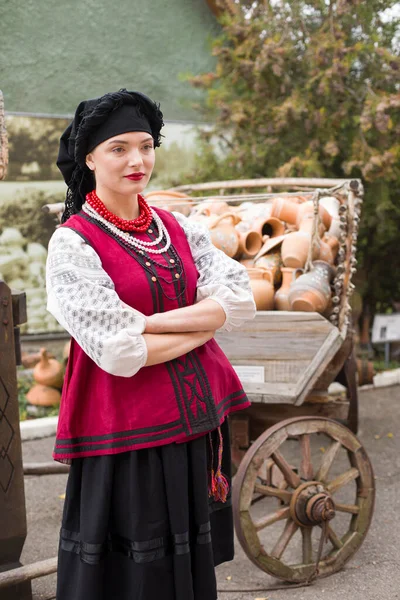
(294, 274)
(235, 219)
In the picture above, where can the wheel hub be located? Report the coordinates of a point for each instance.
(311, 504)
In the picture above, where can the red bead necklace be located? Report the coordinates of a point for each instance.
(140, 224)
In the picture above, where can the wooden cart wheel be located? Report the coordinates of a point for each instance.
(279, 520)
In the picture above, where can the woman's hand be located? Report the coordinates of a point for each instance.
(207, 315)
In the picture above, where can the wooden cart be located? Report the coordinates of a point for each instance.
(300, 467)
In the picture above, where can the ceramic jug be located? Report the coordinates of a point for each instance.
(262, 288)
(311, 292)
(170, 200)
(250, 243)
(281, 300)
(223, 233)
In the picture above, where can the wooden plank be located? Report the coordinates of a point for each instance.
(317, 366)
(287, 182)
(22, 574)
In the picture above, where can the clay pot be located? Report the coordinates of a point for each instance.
(30, 359)
(329, 247)
(262, 288)
(223, 233)
(170, 200)
(292, 213)
(247, 262)
(331, 204)
(218, 207)
(272, 261)
(48, 371)
(250, 243)
(270, 226)
(311, 292)
(281, 300)
(296, 245)
(43, 395)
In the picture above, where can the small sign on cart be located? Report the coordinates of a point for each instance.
(386, 328)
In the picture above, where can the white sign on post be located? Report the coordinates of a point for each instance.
(386, 328)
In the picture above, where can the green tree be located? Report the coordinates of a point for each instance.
(311, 88)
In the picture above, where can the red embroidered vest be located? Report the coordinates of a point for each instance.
(174, 401)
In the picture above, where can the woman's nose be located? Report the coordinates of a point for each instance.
(135, 158)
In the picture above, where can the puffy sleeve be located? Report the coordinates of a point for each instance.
(82, 297)
(221, 278)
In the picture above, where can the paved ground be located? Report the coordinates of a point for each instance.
(372, 574)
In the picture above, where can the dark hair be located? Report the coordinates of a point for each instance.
(90, 115)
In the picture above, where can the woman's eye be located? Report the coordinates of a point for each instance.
(148, 147)
(117, 150)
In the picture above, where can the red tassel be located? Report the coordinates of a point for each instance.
(219, 486)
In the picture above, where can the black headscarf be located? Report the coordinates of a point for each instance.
(95, 121)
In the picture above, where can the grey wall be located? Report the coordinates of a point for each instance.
(54, 53)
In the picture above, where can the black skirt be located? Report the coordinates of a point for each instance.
(139, 525)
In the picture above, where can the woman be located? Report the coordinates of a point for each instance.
(147, 389)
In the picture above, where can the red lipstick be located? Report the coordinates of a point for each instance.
(135, 176)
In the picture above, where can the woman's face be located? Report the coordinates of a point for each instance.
(117, 162)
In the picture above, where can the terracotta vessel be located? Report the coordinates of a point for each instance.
(311, 292)
(292, 213)
(329, 246)
(170, 200)
(43, 395)
(218, 207)
(281, 300)
(223, 233)
(332, 204)
(296, 245)
(48, 371)
(262, 288)
(271, 261)
(250, 243)
(270, 226)
(247, 262)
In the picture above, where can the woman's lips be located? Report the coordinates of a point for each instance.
(135, 176)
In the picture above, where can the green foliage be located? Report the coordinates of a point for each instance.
(33, 148)
(24, 385)
(311, 88)
(25, 213)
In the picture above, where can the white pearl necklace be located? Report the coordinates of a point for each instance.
(130, 240)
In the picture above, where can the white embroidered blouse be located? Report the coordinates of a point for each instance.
(82, 297)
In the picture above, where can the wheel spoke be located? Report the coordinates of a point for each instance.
(291, 477)
(327, 461)
(290, 529)
(307, 545)
(279, 515)
(347, 508)
(267, 490)
(342, 480)
(306, 468)
(337, 542)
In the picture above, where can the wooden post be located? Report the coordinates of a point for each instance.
(12, 495)
(3, 140)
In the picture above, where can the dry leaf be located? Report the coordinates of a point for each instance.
(229, 577)
(62, 497)
(260, 598)
(377, 437)
(390, 435)
(322, 449)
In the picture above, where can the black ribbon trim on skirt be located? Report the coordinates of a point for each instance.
(140, 552)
